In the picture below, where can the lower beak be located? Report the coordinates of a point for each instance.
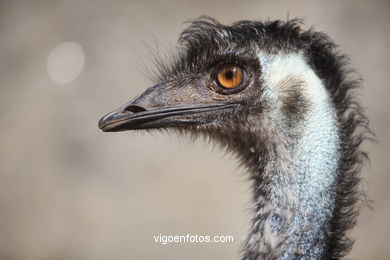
(130, 117)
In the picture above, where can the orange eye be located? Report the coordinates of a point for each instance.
(230, 76)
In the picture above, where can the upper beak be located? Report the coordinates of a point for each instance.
(155, 108)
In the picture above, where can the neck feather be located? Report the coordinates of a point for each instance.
(294, 184)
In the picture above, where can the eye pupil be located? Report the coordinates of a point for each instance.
(230, 76)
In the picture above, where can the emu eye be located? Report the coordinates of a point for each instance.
(230, 76)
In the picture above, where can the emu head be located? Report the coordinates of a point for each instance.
(216, 86)
(248, 86)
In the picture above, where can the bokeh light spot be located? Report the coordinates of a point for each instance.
(65, 62)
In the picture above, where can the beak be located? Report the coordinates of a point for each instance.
(161, 106)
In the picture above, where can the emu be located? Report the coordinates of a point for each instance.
(281, 98)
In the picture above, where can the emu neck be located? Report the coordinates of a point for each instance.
(294, 185)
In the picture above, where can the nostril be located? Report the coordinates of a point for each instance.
(134, 109)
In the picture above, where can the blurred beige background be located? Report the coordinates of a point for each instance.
(69, 191)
